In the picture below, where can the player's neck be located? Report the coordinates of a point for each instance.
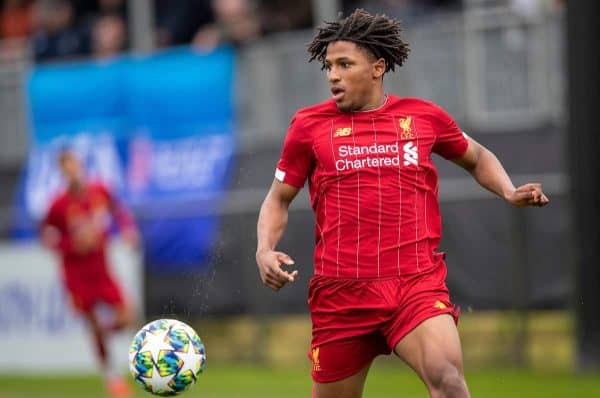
(377, 100)
(76, 187)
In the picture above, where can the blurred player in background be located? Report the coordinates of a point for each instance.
(379, 283)
(77, 226)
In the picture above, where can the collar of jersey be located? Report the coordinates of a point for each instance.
(385, 100)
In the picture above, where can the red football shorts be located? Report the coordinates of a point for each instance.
(86, 294)
(356, 320)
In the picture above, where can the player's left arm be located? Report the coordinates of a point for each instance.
(487, 170)
(124, 219)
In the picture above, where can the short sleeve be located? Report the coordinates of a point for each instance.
(297, 156)
(451, 141)
(122, 215)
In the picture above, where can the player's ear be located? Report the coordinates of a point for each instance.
(378, 68)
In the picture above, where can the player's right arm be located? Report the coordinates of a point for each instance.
(272, 221)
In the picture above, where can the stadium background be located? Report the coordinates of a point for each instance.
(219, 81)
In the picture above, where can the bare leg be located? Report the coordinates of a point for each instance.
(350, 387)
(433, 350)
(116, 386)
(124, 317)
(99, 337)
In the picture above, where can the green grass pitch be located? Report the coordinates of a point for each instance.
(262, 382)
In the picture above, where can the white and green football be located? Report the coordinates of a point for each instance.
(166, 357)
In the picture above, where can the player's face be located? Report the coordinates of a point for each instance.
(353, 76)
(70, 168)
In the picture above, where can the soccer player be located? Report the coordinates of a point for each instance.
(379, 280)
(77, 226)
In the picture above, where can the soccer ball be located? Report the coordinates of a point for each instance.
(166, 357)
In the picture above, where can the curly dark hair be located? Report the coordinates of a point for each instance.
(378, 34)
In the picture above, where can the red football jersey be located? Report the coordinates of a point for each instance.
(373, 185)
(70, 213)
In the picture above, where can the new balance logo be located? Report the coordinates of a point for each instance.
(343, 132)
(411, 156)
(439, 305)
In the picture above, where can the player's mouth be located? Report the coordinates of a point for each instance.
(338, 93)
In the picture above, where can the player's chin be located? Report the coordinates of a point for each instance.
(344, 106)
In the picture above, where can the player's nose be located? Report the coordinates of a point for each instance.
(332, 76)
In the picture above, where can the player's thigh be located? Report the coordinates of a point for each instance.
(109, 292)
(432, 348)
(350, 387)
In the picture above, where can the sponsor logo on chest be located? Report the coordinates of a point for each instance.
(351, 157)
(401, 152)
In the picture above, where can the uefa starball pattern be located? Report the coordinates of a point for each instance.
(166, 357)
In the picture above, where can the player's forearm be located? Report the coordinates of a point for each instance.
(490, 174)
(272, 221)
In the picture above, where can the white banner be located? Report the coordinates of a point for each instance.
(39, 330)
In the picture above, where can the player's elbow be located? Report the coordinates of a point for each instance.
(274, 201)
(473, 158)
(281, 195)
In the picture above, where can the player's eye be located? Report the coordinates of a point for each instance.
(345, 65)
(327, 67)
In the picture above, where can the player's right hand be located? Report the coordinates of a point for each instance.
(528, 195)
(269, 266)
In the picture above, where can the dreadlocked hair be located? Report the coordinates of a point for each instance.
(378, 34)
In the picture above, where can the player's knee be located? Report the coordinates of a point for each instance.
(447, 381)
(123, 319)
(453, 384)
(125, 322)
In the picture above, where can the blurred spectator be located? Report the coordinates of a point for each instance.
(109, 36)
(284, 15)
(68, 28)
(56, 34)
(205, 23)
(178, 21)
(235, 22)
(16, 19)
(103, 23)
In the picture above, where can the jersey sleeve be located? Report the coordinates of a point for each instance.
(121, 214)
(451, 142)
(297, 156)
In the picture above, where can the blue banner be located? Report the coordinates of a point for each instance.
(159, 130)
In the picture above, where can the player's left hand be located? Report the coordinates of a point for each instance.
(528, 195)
